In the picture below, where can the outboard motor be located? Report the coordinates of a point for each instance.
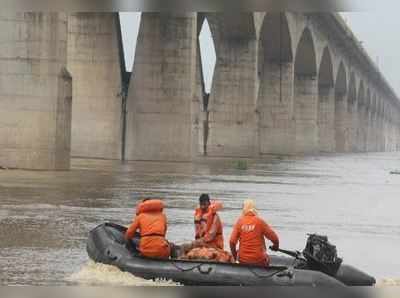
(321, 255)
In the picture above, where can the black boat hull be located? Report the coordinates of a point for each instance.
(106, 245)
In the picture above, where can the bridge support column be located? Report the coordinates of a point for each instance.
(375, 132)
(94, 60)
(275, 94)
(393, 133)
(369, 125)
(305, 96)
(305, 111)
(326, 120)
(232, 118)
(362, 128)
(275, 109)
(388, 136)
(35, 92)
(353, 127)
(341, 123)
(159, 120)
(397, 132)
(381, 134)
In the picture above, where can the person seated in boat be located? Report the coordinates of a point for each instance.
(200, 219)
(208, 225)
(152, 225)
(250, 231)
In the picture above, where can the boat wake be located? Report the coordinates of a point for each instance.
(388, 282)
(100, 274)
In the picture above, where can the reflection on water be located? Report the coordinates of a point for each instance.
(45, 216)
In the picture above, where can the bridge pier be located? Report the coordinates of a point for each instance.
(305, 97)
(381, 133)
(275, 95)
(362, 131)
(326, 104)
(35, 92)
(341, 124)
(369, 129)
(232, 119)
(159, 112)
(305, 110)
(397, 132)
(94, 60)
(326, 120)
(376, 132)
(353, 127)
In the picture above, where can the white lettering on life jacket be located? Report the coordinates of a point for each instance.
(248, 228)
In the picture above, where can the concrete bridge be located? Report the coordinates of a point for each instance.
(284, 83)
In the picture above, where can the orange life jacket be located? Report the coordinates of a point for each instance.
(250, 231)
(214, 231)
(152, 225)
(153, 205)
(200, 223)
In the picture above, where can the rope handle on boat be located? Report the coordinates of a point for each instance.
(208, 271)
(270, 275)
(198, 267)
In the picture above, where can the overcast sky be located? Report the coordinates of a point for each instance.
(378, 31)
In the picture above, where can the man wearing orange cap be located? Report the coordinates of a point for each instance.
(250, 231)
(152, 225)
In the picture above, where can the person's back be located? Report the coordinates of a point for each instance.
(250, 231)
(152, 225)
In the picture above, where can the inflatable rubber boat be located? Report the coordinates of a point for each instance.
(106, 244)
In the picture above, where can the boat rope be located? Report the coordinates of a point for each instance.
(267, 276)
(183, 269)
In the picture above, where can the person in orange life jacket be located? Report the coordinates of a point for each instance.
(152, 225)
(200, 219)
(250, 231)
(208, 225)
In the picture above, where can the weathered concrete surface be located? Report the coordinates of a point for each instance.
(341, 124)
(275, 97)
(159, 118)
(275, 108)
(95, 65)
(326, 104)
(35, 91)
(305, 96)
(326, 119)
(305, 111)
(232, 120)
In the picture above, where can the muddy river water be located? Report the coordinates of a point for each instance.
(45, 216)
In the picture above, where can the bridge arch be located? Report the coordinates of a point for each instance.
(275, 96)
(305, 95)
(326, 104)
